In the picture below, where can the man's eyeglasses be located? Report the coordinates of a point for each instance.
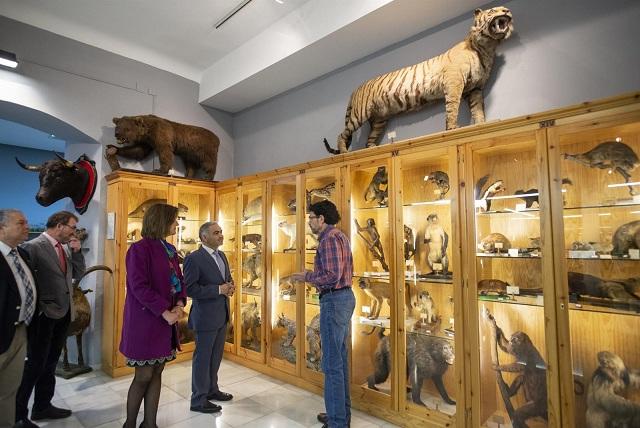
(311, 217)
(74, 227)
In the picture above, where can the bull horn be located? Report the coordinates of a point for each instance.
(35, 168)
(67, 163)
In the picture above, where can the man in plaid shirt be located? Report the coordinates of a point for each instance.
(331, 275)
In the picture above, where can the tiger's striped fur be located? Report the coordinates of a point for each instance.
(461, 71)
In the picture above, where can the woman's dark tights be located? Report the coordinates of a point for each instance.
(146, 385)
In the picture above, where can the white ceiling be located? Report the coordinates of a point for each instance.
(265, 49)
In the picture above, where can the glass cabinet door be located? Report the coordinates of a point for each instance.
(226, 218)
(509, 278)
(283, 326)
(372, 285)
(599, 180)
(427, 193)
(252, 263)
(319, 186)
(195, 205)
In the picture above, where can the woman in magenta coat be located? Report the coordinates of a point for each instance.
(155, 301)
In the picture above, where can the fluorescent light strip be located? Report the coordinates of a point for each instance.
(635, 183)
(8, 63)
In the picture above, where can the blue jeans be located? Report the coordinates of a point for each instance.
(335, 325)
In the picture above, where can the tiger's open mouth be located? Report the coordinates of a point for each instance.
(500, 26)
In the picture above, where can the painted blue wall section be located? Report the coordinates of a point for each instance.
(19, 187)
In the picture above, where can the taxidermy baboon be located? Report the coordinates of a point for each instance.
(606, 405)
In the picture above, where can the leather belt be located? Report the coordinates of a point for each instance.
(333, 291)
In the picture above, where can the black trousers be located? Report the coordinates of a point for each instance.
(45, 339)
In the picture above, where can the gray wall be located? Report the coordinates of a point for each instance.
(562, 53)
(85, 88)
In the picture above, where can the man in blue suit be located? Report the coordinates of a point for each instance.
(209, 284)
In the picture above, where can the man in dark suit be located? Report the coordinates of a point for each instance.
(55, 258)
(209, 284)
(18, 305)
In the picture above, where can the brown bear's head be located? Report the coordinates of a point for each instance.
(130, 129)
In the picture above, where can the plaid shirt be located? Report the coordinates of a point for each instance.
(333, 264)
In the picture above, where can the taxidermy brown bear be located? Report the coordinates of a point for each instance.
(462, 71)
(139, 135)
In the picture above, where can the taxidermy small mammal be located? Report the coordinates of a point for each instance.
(460, 72)
(606, 402)
(252, 211)
(409, 243)
(289, 229)
(441, 180)
(140, 135)
(488, 243)
(252, 265)
(612, 155)
(626, 236)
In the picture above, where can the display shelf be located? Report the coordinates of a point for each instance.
(428, 203)
(426, 280)
(377, 322)
(376, 208)
(510, 212)
(602, 257)
(507, 256)
(620, 204)
(252, 291)
(513, 299)
(595, 304)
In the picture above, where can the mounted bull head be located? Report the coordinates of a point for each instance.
(62, 178)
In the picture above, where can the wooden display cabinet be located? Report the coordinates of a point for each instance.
(128, 195)
(318, 185)
(510, 271)
(597, 217)
(282, 261)
(373, 281)
(227, 214)
(428, 258)
(251, 293)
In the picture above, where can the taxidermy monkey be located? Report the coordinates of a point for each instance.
(427, 309)
(428, 357)
(374, 191)
(441, 180)
(372, 239)
(626, 236)
(532, 374)
(409, 243)
(460, 72)
(290, 231)
(378, 292)
(606, 404)
(612, 155)
(438, 240)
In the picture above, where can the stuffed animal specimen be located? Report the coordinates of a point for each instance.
(409, 243)
(428, 357)
(441, 180)
(618, 290)
(250, 328)
(606, 402)
(314, 354)
(371, 237)
(612, 155)
(253, 266)
(140, 135)
(437, 240)
(378, 292)
(252, 212)
(531, 370)
(462, 71)
(483, 196)
(374, 191)
(626, 236)
(289, 229)
(488, 243)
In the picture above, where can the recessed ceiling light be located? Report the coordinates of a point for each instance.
(52, 135)
(8, 59)
(280, 1)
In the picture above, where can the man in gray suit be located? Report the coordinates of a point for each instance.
(209, 284)
(55, 258)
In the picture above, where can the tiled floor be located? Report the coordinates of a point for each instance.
(259, 402)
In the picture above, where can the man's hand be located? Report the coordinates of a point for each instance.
(227, 289)
(74, 244)
(170, 317)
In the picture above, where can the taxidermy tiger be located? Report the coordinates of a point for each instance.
(462, 71)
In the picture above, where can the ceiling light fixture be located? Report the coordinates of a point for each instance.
(280, 1)
(8, 59)
(235, 10)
